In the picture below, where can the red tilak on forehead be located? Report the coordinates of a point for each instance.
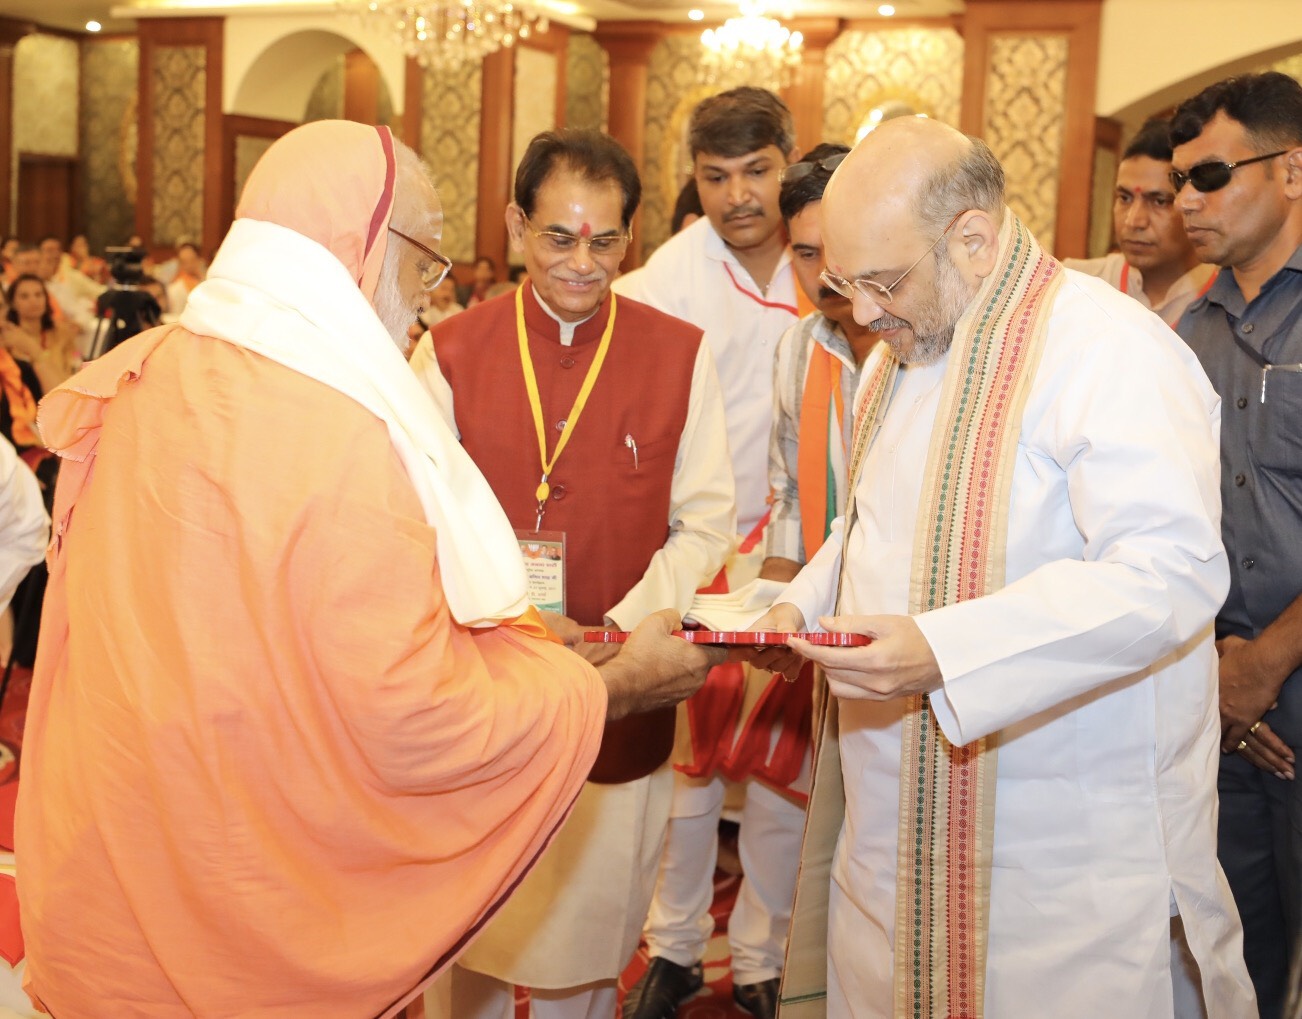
(585, 230)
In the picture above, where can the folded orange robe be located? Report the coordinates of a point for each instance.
(265, 773)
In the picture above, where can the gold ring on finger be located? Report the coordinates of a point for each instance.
(1255, 726)
(1242, 743)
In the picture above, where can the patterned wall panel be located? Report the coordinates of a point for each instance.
(327, 99)
(672, 91)
(44, 103)
(108, 97)
(534, 106)
(45, 95)
(1026, 86)
(921, 67)
(179, 78)
(248, 150)
(534, 102)
(587, 84)
(449, 138)
(1105, 175)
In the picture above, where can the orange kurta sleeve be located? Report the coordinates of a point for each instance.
(266, 773)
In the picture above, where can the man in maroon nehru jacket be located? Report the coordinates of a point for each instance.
(599, 424)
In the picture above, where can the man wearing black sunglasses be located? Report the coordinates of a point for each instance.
(1237, 172)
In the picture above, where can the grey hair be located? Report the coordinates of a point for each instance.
(974, 181)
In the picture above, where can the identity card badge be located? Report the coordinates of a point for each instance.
(544, 566)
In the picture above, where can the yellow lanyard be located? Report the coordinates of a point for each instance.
(535, 402)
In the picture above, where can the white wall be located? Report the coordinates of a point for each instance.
(272, 62)
(1153, 53)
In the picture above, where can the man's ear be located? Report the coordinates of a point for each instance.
(977, 234)
(515, 223)
(1293, 173)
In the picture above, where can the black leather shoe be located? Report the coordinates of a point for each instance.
(759, 999)
(664, 986)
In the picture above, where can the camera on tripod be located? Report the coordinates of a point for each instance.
(126, 265)
(125, 308)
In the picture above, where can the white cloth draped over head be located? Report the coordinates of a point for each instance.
(292, 282)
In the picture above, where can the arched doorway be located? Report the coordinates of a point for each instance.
(309, 74)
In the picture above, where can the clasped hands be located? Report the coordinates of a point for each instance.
(1250, 682)
(898, 663)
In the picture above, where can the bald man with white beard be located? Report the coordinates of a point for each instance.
(1014, 803)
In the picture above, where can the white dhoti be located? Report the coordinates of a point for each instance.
(574, 923)
(578, 915)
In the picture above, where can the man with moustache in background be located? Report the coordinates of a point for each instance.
(730, 274)
(1157, 264)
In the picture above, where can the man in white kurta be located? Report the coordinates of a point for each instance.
(24, 525)
(1093, 666)
(730, 274)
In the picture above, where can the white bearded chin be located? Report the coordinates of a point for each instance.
(390, 306)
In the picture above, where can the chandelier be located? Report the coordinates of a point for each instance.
(752, 46)
(444, 34)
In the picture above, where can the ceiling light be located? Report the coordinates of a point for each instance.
(696, 14)
(753, 45)
(93, 26)
(447, 33)
(885, 10)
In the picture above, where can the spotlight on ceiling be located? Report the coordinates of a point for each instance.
(696, 14)
(93, 26)
(885, 10)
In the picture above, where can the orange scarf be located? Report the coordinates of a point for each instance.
(821, 415)
(22, 405)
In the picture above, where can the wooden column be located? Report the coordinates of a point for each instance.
(160, 32)
(1078, 21)
(413, 103)
(805, 94)
(11, 30)
(629, 45)
(361, 88)
(495, 122)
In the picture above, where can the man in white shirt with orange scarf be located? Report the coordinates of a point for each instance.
(730, 274)
(815, 376)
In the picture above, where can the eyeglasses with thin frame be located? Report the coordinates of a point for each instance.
(799, 171)
(559, 242)
(1215, 175)
(439, 265)
(871, 289)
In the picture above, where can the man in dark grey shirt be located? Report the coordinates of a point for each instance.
(1237, 173)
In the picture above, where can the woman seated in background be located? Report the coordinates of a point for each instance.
(190, 271)
(30, 334)
(86, 263)
(20, 391)
(8, 248)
